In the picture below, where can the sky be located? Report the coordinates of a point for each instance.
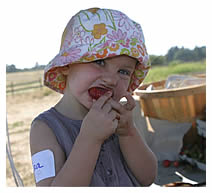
(31, 29)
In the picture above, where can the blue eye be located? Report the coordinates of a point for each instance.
(125, 72)
(100, 62)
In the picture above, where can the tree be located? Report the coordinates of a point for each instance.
(200, 53)
(11, 68)
(171, 53)
(185, 54)
(157, 60)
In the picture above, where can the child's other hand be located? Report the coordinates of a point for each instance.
(100, 122)
(125, 123)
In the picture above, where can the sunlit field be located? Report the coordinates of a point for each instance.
(23, 107)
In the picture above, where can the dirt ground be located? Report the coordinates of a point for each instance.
(21, 109)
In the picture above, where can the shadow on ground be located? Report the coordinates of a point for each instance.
(184, 173)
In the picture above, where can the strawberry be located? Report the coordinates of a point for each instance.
(96, 92)
(166, 163)
(176, 164)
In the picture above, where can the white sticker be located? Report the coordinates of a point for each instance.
(43, 165)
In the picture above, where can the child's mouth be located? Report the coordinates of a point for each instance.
(96, 92)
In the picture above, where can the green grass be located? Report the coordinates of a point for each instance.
(157, 73)
(17, 124)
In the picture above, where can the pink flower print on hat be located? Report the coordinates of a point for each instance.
(123, 20)
(70, 55)
(94, 34)
(117, 36)
(79, 34)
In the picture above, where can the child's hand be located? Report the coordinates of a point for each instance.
(125, 123)
(100, 122)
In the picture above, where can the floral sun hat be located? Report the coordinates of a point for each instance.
(95, 34)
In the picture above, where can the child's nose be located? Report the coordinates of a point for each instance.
(110, 79)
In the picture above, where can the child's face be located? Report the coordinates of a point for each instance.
(114, 73)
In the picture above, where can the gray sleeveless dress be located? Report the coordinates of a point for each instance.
(111, 169)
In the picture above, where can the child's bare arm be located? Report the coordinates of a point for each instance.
(139, 157)
(42, 138)
(137, 154)
(77, 170)
(79, 167)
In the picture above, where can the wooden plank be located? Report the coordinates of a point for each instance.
(156, 105)
(185, 108)
(200, 102)
(191, 90)
(190, 100)
(144, 107)
(165, 108)
(25, 83)
(14, 87)
(178, 104)
(174, 109)
(20, 89)
(178, 108)
(151, 107)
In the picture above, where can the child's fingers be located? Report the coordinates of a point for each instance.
(118, 116)
(115, 124)
(130, 105)
(107, 107)
(114, 115)
(122, 132)
(102, 100)
(122, 108)
(116, 106)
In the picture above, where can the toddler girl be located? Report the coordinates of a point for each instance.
(88, 138)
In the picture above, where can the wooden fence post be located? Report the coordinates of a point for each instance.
(40, 83)
(12, 88)
(29, 85)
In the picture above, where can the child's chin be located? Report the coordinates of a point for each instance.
(88, 105)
